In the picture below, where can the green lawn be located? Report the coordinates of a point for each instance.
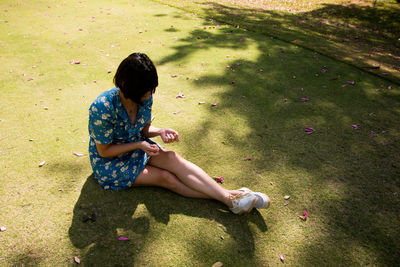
(346, 179)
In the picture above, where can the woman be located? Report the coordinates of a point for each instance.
(122, 155)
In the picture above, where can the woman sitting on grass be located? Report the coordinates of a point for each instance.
(122, 155)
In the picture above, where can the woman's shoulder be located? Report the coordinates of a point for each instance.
(105, 99)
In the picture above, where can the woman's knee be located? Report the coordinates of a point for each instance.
(171, 155)
(168, 179)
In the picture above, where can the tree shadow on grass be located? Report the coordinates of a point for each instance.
(350, 178)
(100, 217)
(361, 35)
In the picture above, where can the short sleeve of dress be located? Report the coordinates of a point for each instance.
(101, 128)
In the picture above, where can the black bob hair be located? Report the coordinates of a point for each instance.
(135, 76)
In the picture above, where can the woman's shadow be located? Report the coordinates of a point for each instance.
(102, 216)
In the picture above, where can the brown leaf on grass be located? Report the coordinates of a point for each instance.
(77, 260)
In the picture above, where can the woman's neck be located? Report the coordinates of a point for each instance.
(129, 104)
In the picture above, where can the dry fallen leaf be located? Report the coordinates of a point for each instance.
(77, 260)
(218, 264)
(281, 258)
(309, 130)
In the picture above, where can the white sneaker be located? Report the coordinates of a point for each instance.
(263, 200)
(243, 203)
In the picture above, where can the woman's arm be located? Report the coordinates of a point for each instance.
(167, 135)
(150, 131)
(113, 150)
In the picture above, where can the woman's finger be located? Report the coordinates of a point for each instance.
(176, 135)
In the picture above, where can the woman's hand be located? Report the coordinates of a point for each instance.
(150, 149)
(169, 135)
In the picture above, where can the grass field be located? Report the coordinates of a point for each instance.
(346, 178)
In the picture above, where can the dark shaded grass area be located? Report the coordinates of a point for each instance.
(98, 214)
(364, 35)
(354, 188)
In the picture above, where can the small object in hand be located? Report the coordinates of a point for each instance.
(42, 163)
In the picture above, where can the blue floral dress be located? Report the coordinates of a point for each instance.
(109, 123)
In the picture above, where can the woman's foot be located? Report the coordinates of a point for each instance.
(263, 200)
(243, 203)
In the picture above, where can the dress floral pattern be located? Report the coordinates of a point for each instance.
(109, 123)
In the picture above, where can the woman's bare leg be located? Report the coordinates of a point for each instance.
(153, 176)
(191, 175)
